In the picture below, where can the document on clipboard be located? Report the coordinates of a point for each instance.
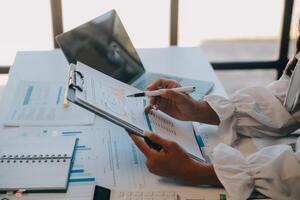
(106, 97)
(292, 100)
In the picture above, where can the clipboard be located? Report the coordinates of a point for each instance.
(75, 83)
(83, 93)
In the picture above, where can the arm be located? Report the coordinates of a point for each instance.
(205, 114)
(274, 171)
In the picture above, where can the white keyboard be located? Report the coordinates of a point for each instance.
(144, 195)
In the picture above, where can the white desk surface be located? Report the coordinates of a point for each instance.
(52, 66)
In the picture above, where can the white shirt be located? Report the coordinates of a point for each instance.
(257, 112)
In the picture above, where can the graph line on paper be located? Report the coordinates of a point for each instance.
(114, 100)
(161, 122)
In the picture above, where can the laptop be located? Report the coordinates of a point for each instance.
(104, 45)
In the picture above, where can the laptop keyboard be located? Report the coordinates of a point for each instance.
(143, 84)
(144, 195)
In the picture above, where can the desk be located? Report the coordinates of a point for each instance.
(52, 66)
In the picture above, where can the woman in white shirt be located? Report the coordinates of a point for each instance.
(254, 112)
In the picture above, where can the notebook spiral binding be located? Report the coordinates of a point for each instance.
(34, 158)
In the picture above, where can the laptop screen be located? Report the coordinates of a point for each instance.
(104, 45)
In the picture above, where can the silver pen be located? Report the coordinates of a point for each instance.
(186, 90)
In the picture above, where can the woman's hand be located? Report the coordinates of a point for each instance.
(178, 105)
(173, 161)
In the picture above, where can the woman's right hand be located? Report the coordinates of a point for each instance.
(173, 161)
(178, 105)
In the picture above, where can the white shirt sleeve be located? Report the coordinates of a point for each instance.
(257, 112)
(254, 112)
(273, 171)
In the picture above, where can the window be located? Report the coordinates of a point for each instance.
(147, 22)
(242, 32)
(247, 30)
(25, 25)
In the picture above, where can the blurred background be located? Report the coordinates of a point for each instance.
(248, 40)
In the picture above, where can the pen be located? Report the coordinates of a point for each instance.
(186, 90)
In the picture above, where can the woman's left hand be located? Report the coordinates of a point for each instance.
(173, 161)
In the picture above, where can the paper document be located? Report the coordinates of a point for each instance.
(106, 156)
(41, 103)
(207, 137)
(107, 96)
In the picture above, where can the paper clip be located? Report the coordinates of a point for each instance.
(73, 82)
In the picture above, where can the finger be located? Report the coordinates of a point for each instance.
(164, 105)
(151, 100)
(177, 97)
(163, 83)
(156, 84)
(173, 84)
(148, 108)
(141, 144)
(159, 140)
(154, 100)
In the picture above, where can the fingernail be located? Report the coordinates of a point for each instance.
(163, 91)
(146, 133)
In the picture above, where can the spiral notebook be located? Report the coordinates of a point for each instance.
(36, 164)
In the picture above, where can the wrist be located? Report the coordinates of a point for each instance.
(205, 114)
(202, 173)
(196, 114)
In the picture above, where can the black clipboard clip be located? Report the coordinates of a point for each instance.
(76, 79)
